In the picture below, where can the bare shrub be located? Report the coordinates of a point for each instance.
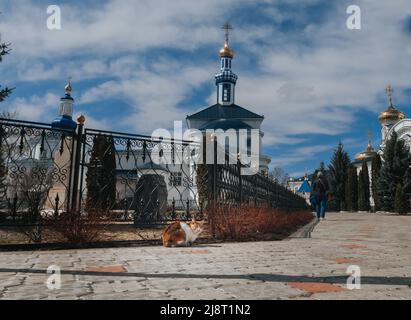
(246, 222)
(81, 228)
(32, 188)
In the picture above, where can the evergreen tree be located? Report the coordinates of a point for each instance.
(339, 167)
(401, 202)
(4, 50)
(375, 178)
(395, 169)
(322, 169)
(351, 193)
(364, 189)
(101, 175)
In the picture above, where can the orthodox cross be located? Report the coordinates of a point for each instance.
(227, 27)
(390, 92)
(369, 137)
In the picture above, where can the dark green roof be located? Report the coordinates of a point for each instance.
(219, 111)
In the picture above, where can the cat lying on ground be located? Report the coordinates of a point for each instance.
(181, 234)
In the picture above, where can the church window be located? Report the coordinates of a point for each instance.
(176, 179)
(226, 92)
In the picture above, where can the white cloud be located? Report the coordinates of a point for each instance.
(308, 82)
(299, 155)
(34, 108)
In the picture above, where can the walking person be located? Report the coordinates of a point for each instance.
(320, 195)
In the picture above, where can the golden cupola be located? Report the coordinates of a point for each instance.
(369, 153)
(392, 114)
(226, 51)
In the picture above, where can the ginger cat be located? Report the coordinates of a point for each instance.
(181, 234)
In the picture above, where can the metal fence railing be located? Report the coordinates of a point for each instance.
(45, 171)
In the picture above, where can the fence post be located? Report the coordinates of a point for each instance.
(158, 209)
(201, 210)
(75, 203)
(213, 177)
(215, 173)
(56, 209)
(188, 208)
(173, 213)
(240, 180)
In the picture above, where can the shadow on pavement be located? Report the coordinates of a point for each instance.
(402, 281)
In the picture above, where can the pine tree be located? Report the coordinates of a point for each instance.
(375, 178)
(4, 50)
(395, 169)
(339, 167)
(322, 167)
(364, 189)
(101, 175)
(400, 203)
(351, 193)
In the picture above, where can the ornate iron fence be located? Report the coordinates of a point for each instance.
(45, 171)
(137, 176)
(35, 170)
(257, 190)
(226, 185)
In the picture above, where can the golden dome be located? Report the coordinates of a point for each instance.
(81, 119)
(391, 114)
(368, 154)
(226, 52)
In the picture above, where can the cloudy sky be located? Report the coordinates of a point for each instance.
(139, 65)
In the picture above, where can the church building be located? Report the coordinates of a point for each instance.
(226, 114)
(391, 120)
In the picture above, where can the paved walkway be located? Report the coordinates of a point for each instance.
(313, 268)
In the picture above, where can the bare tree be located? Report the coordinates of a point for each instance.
(279, 175)
(6, 114)
(32, 189)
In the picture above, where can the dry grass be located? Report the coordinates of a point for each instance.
(247, 223)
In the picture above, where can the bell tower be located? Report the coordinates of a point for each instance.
(65, 117)
(226, 79)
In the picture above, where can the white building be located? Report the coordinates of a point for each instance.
(392, 120)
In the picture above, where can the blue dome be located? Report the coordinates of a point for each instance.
(226, 124)
(67, 97)
(65, 123)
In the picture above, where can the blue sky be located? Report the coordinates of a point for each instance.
(140, 65)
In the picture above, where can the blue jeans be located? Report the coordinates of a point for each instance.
(321, 207)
